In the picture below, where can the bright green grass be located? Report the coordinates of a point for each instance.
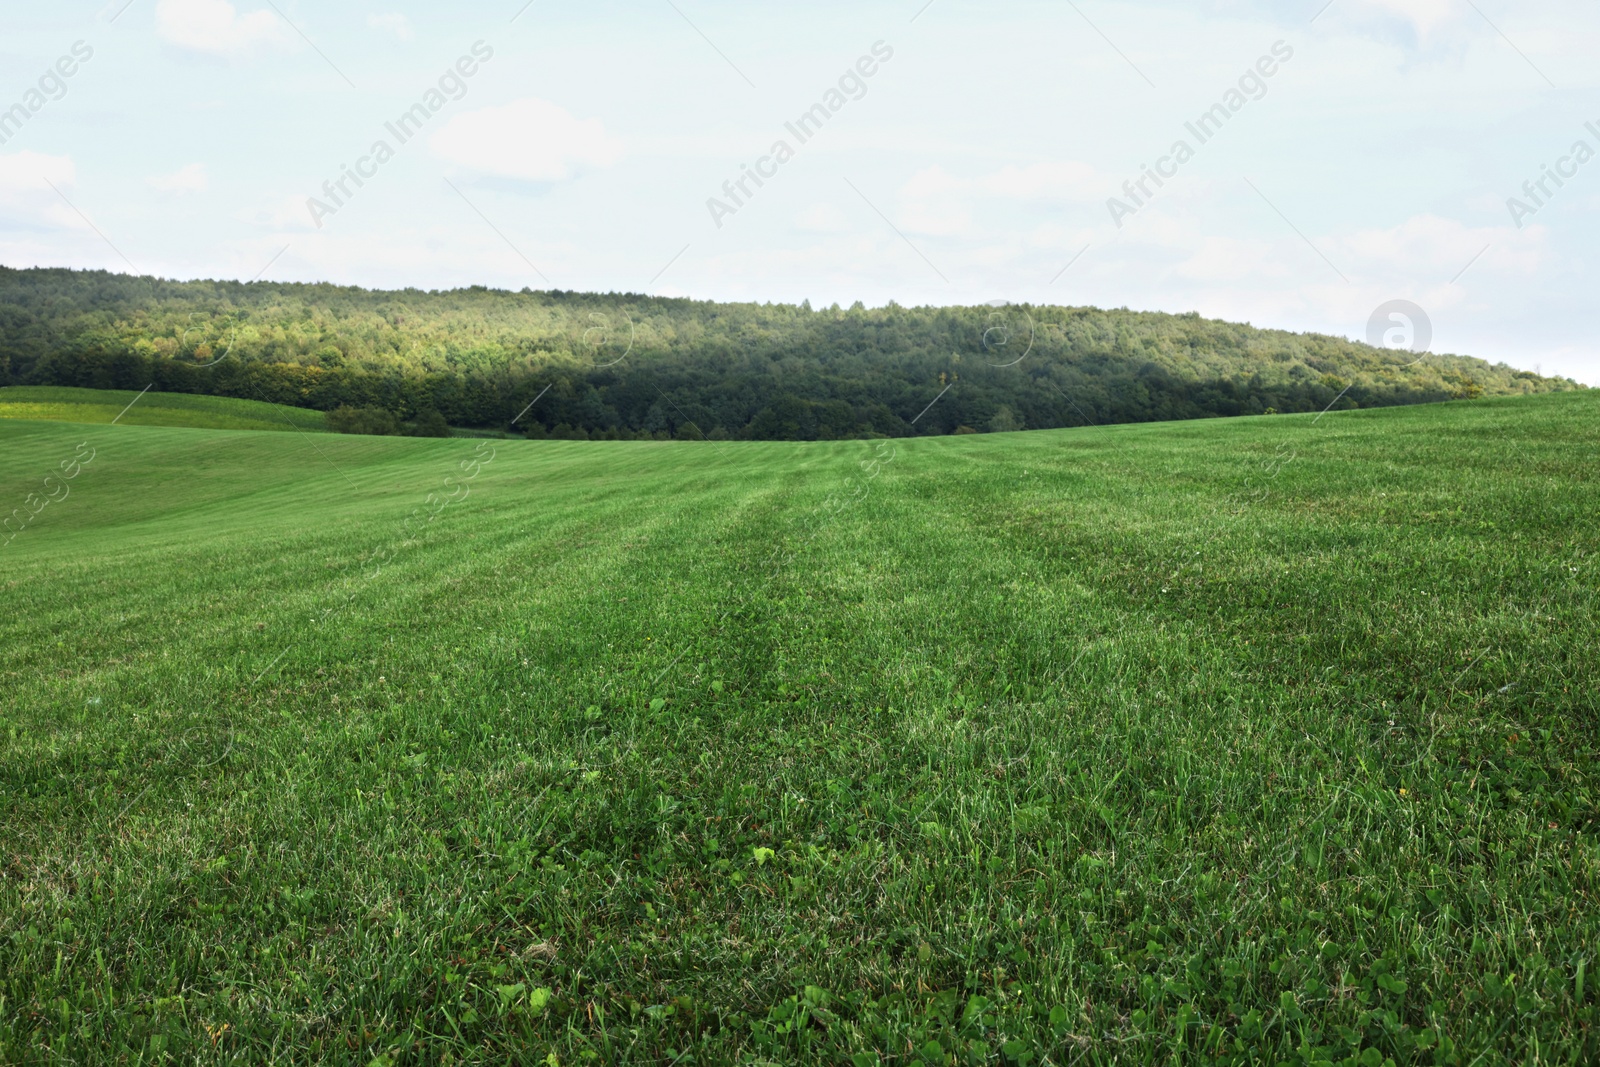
(60, 404)
(1258, 741)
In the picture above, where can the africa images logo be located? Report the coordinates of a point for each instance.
(408, 125)
(852, 82)
(1252, 85)
(1565, 170)
(1401, 325)
(52, 85)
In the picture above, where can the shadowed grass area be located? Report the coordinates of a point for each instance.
(63, 404)
(1238, 741)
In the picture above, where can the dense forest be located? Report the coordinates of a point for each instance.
(621, 365)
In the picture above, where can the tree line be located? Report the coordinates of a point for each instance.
(625, 365)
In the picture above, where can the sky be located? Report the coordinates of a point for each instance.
(1357, 153)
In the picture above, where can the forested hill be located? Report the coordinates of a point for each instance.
(611, 365)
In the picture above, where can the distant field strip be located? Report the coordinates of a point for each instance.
(61, 404)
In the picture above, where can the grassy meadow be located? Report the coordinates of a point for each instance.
(64, 404)
(1248, 741)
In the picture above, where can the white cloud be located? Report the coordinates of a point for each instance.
(38, 226)
(1425, 16)
(823, 218)
(528, 139)
(215, 26)
(935, 202)
(26, 199)
(1036, 182)
(938, 203)
(1221, 260)
(1046, 181)
(1421, 255)
(1441, 248)
(187, 179)
(289, 213)
(392, 22)
(931, 183)
(29, 171)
